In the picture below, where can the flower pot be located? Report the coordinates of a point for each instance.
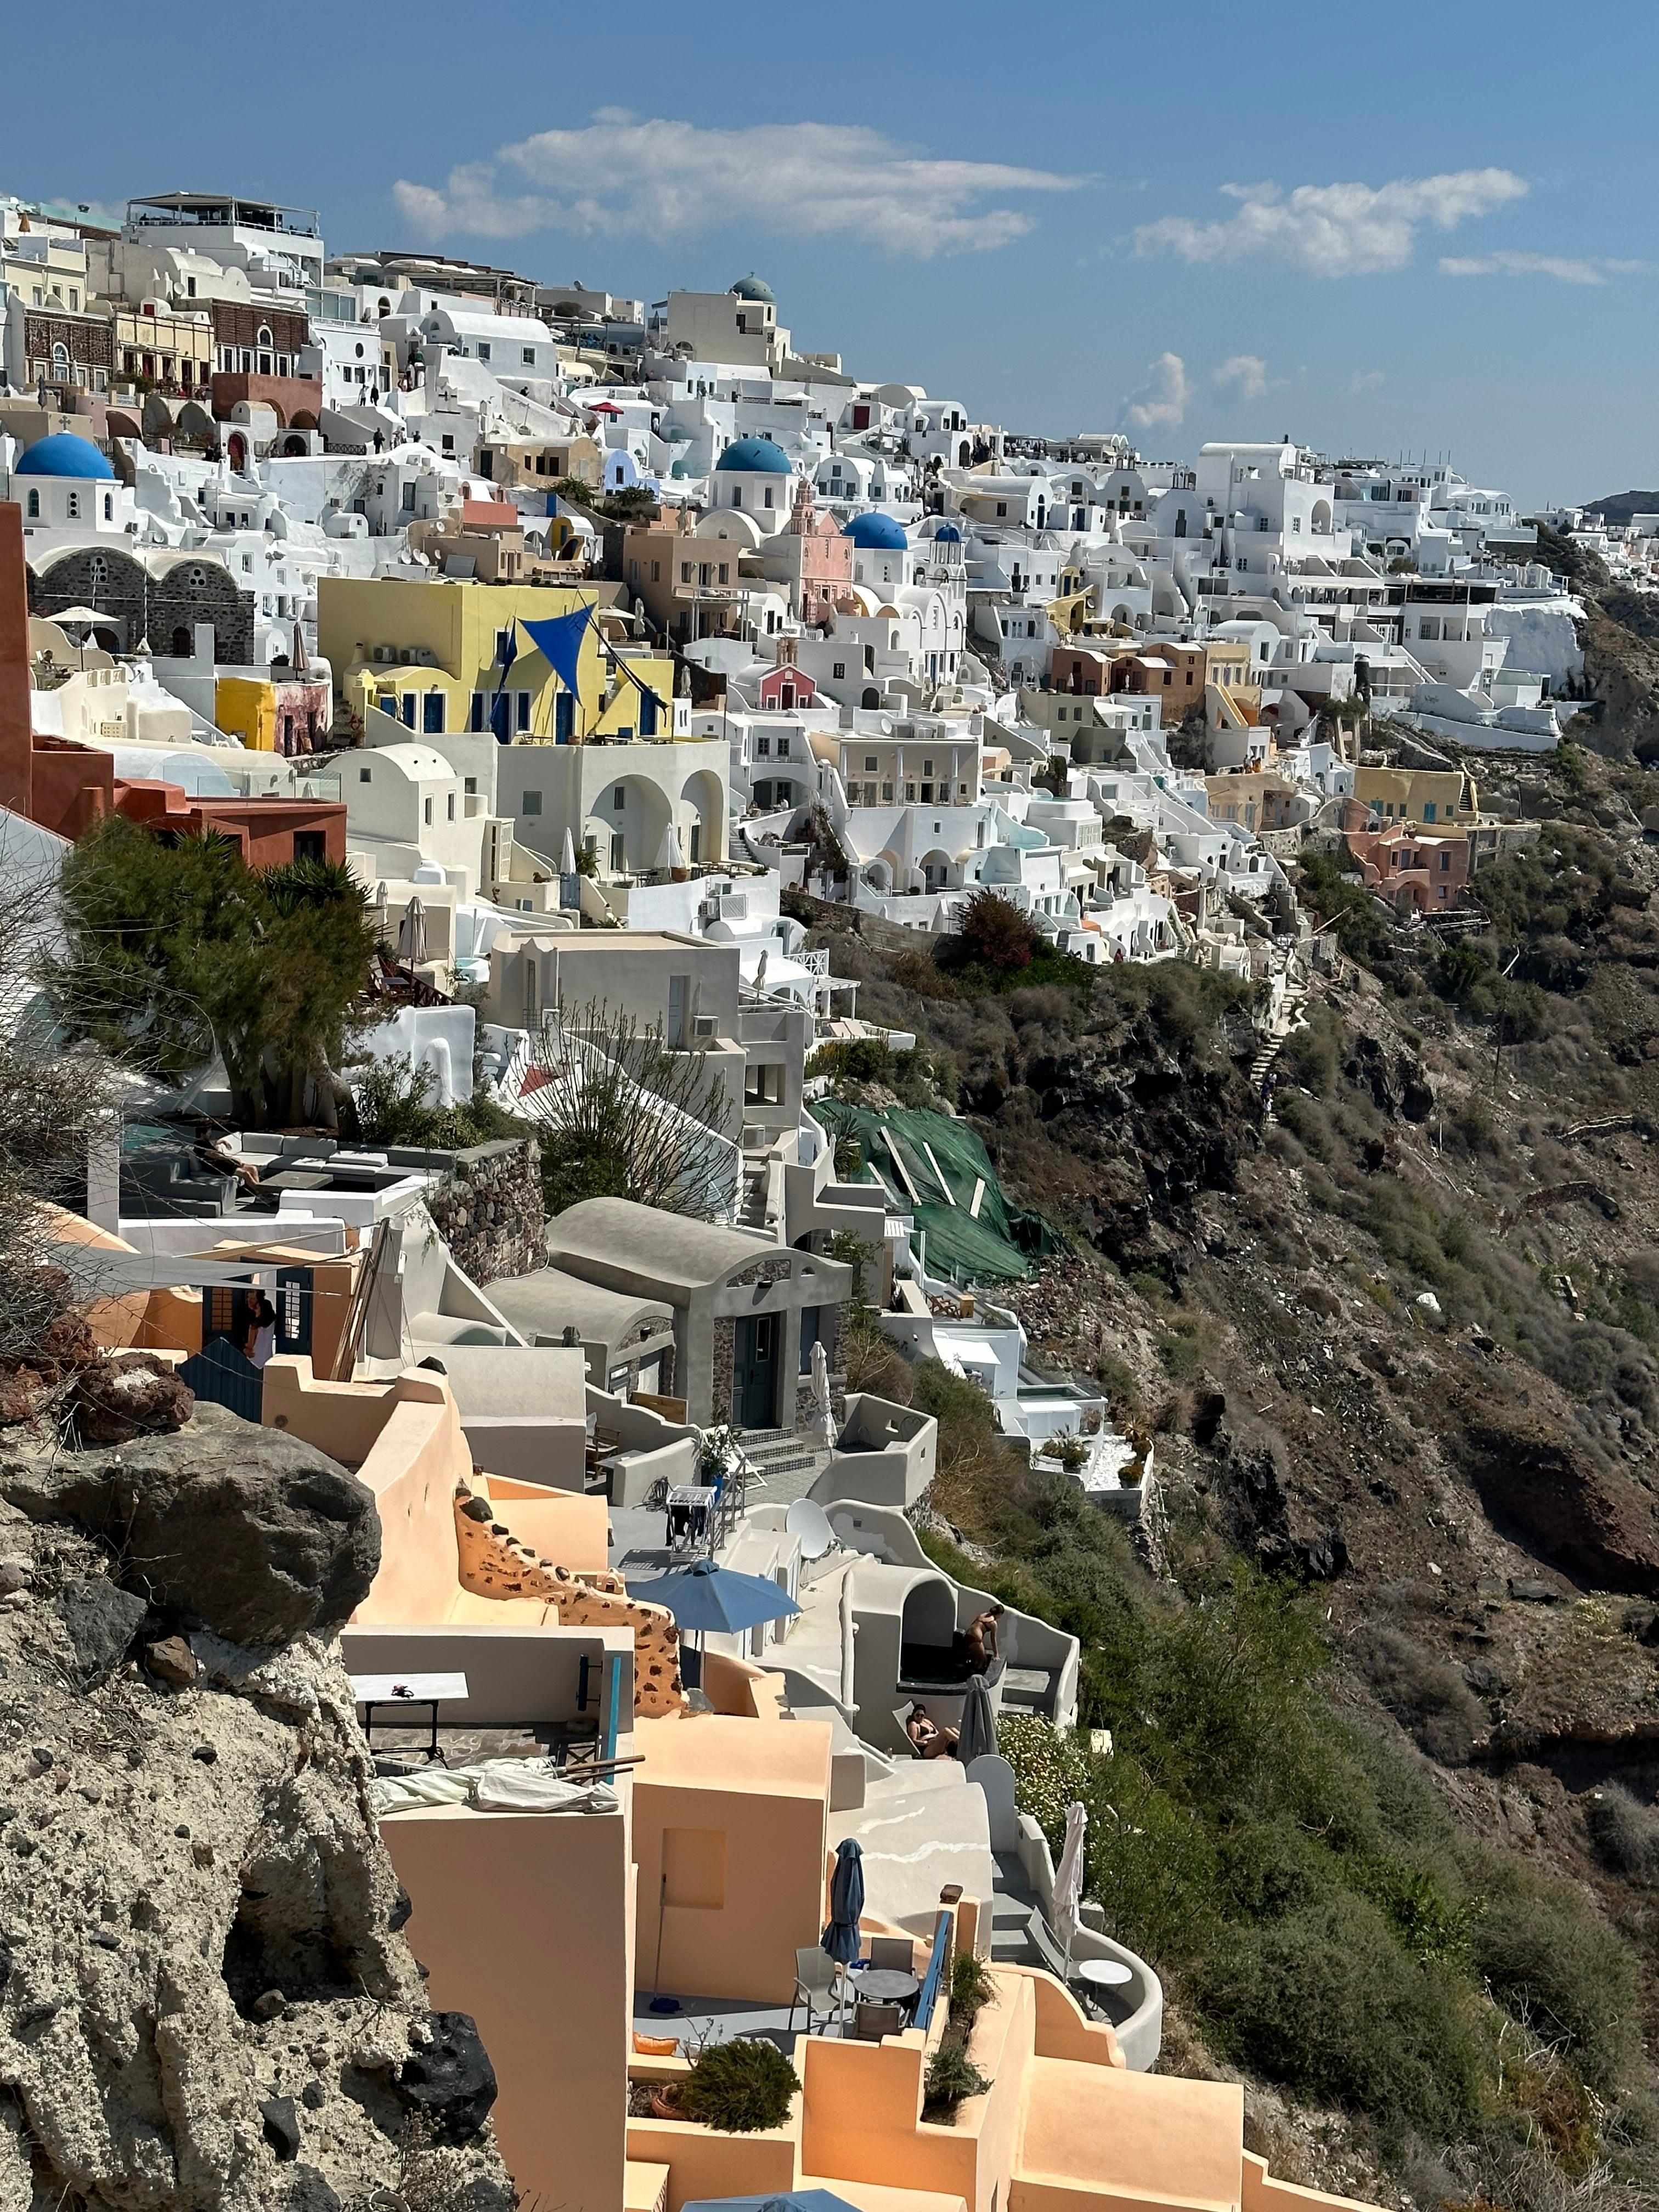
(665, 2101)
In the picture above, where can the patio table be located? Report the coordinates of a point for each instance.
(1102, 1973)
(885, 1985)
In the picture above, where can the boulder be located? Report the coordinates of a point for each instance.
(242, 1531)
(100, 1621)
(447, 2078)
(133, 1395)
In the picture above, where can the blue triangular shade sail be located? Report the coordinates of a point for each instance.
(559, 641)
(706, 1596)
(794, 2200)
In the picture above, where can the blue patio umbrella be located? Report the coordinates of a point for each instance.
(705, 1596)
(841, 1939)
(796, 2200)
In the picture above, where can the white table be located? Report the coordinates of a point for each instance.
(428, 1690)
(1102, 1973)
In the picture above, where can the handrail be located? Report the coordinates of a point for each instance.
(934, 1977)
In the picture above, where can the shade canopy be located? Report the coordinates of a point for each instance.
(559, 641)
(706, 1596)
(977, 1733)
(840, 1938)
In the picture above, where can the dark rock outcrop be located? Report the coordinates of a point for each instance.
(240, 1530)
(1592, 1522)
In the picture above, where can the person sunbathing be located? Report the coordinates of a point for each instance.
(927, 1739)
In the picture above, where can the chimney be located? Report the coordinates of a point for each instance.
(16, 743)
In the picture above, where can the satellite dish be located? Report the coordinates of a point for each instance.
(808, 1520)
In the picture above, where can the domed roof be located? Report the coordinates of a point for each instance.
(752, 288)
(755, 457)
(62, 454)
(947, 534)
(877, 533)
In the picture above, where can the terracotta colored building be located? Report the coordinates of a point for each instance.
(1411, 867)
(66, 787)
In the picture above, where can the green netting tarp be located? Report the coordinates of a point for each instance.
(927, 1161)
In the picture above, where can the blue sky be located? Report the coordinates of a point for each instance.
(1425, 228)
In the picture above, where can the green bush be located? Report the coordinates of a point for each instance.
(951, 2077)
(740, 2087)
(1551, 1959)
(1325, 2001)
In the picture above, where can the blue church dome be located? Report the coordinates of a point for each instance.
(877, 533)
(62, 454)
(754, 288)
(947, 534)
(755, 457)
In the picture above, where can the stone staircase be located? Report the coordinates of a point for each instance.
(784, 1467)
(751, 1199)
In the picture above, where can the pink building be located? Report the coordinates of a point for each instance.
(1412, 868)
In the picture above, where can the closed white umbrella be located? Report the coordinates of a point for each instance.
(1068, 1878)
(669, 855)
(823, 1413)
(567, 855)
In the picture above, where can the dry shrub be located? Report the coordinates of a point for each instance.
(1624, 1831)
(1424, 1692)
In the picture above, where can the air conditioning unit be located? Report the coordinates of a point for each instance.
(704, 1028)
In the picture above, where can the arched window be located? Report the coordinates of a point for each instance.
(60, 363)
(264, 337)
(34, 506)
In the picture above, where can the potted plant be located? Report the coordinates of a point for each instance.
(739, 2087)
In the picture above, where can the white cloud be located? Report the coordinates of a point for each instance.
(1366, 380)
(1335, 230)
(1567, 267)
(620, 174)
(1247, 371)
(1160, 403)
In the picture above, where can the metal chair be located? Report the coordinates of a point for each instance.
(872, 2021)
(893, 1952)
(817, 1976)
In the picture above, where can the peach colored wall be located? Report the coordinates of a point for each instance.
(171, 1321)
(569, 1529)
(764, 1792)
(1096, 2136)
(341, 1418)
(735, 1686)
(864, 2104)
(1062, 2030)
(551, 1988)
(1262, 2193)
(701, 2163)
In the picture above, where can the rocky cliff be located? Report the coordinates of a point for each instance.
(205, 1998)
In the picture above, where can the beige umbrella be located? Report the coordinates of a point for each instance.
(411, 934)
(823, 1413)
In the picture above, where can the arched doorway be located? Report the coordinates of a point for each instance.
(236, 448)
(183, 644)
(702, 815)
(871, 698)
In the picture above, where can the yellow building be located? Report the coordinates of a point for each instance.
(430, 652)
(1428, 795)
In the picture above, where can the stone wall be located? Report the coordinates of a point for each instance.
(488, 1211)
(724, 1368)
